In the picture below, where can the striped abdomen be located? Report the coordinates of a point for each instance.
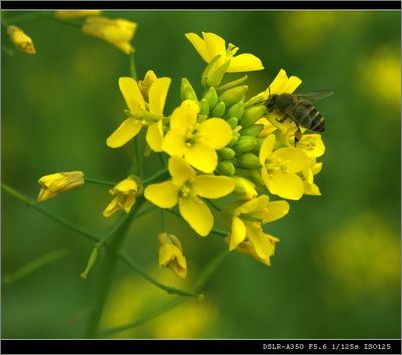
(307, 116)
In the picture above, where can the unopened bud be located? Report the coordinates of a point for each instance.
(233, 121)
(255, 175)
(212, 97)
(235, 138)
(245, 144)
(237, 110)
(91, 262)
(219, 109)
(226, 153)
(225, 167)
(214, 71)
(186, 91)
(234, 95)
(249, 161)
(252, 114)
(204, 108)
(253, 130)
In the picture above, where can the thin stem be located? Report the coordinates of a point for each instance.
(133, 69)
(138, 155)
(157, 176)
(202, 280)
(213, 205)
(91, 236)
(106, 273)
(100, 182)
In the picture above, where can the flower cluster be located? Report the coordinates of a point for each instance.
(220, 144)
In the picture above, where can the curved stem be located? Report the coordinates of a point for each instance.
(157, 176)
(100, 182)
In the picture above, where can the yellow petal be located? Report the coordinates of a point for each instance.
(202, 157)
(132, 94)
(266, 148)
(184, 117)
(278, 83)
(215, 132)
(164, 194)
(256, 237)
(197, 215)
(215, 44)
(296, 159)
(155, 136)
(312, 144)
(210, 186)
(111, 208)
(292, 84)
(285, 185)
(244, 62)
(238, 233)
(199, 45)
(273, 210)
(127, 130)
(250, 206)
(180, 171)
(157, 95)
(174, 143)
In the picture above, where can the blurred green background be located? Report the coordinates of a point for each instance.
(336, 272)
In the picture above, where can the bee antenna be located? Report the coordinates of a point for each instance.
(269, 91)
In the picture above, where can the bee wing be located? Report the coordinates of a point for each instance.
(315, 95)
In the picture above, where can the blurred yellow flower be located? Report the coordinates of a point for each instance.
(211, 46)
(54, 184)
(171, 254)
(65, 15)
(124, 196)
(280, 167)
(141, 113)
(362, 256)
(21, 40)
(118, 32)
(197, 142)
(186, 188)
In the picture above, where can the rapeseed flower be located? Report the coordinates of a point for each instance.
(196, 141)
(142, 113)
(185, 188)
(21, 40)
(171, 254)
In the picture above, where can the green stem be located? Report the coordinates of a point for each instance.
(91, 236)
(106, 272)
(157, 176)
(202, 280)
(100, 182)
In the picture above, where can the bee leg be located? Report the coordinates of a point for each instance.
(298, 134)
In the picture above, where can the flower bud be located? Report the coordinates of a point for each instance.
(219, 109)
(214, 71)
(249, 161)
(21, 40)
(52, 185)
(71, 14)
(244, 188)
(91, 262)
(236, 110)
(233, 121)
(255, 175)
(234, 95)
(204, 108)
(226, 167)
(171, 254)
(145, 84)
(235, 138)
(186, 91)
(245, 144)
(252, 114)
(226, 153)
(212, 97)
(253, 130)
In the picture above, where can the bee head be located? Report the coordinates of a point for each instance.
(270, 103)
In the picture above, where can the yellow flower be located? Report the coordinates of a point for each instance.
(118, 32)
(244, 188)
(141, 113)
(246, 220)
(267, 241)
(211, 46)
(21, 40)
(197, 142)
(171, 254)
(186, 188)
(145, 84)
(124, 196)
(53, 184)
(65, 15)
(280, 167)
(312, 144)
(307, 175)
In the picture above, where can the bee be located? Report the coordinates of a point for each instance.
(300, 109)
